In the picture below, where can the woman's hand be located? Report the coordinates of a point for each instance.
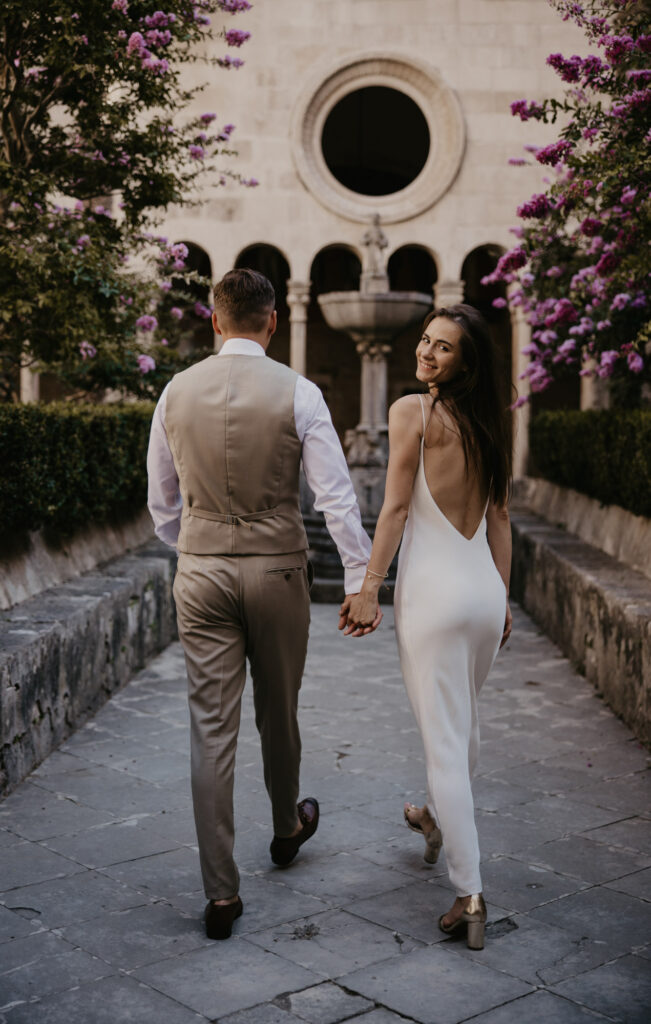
(508, 625)
(360, 614)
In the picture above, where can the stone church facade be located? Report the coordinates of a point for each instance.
(349, 109)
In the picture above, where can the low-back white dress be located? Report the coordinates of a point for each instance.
(450, 604)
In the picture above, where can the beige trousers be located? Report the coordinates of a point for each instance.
(230, 608)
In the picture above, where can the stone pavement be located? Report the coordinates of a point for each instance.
(99, 881)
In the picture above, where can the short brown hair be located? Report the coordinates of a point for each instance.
(244, 299)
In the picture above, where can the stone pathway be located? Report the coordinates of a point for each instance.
(99, 882)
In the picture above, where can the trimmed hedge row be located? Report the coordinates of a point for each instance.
(604, 453)
(65, 466)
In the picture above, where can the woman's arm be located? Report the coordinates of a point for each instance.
(359, 612)
(498, 531)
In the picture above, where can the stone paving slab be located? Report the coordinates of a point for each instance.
(100, 892)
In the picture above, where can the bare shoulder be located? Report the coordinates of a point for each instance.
(405, 413)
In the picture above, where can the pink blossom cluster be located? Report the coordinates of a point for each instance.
(87, 350)
(554, 153)
(233, 6)
(145, 363)
(146, 322)
(235, 36)
(229, 62)
(202, 311)
(526, 110)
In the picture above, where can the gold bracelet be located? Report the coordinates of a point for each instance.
(380, 575)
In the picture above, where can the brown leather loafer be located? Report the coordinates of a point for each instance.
(283, 850)
(219, 918)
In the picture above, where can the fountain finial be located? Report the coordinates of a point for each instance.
(374, 276)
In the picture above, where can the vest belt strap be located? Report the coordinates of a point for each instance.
(233, 520)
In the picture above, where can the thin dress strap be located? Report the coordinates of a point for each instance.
(422, 409)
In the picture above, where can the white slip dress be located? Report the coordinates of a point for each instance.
(450, 605)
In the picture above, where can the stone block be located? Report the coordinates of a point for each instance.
(65, 651)
(324, 1004)
(598, 616)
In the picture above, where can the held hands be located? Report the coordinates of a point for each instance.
(360, 614)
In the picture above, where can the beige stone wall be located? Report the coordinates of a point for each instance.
(489, 52)
(480, 54)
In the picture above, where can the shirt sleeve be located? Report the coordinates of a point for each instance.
(163, 497)
(327, 475)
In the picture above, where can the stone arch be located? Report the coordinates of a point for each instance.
(411, 268)
(271, 261)
(478, 263)
(332, 361)
(197, 328)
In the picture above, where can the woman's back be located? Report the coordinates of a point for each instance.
(456, 488)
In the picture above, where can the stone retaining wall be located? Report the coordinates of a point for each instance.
(64, 652)
(597, 611)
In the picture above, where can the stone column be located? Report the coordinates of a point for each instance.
(595, 393)
(378, 354)
(298, 300)
(448, 293)
(29, 385)
(520, 338)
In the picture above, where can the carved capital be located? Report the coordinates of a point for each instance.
(298, 299)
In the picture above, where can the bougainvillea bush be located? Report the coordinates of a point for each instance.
(581, 270)
(97, 141)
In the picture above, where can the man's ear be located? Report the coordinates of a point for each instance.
(273, 323)
(215, 323)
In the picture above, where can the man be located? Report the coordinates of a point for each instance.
(227, 440)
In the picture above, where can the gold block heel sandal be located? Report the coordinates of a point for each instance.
(474, 918)
(433, 838)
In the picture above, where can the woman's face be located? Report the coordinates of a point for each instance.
(439, 357)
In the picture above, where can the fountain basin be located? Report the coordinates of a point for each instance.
(378, 316)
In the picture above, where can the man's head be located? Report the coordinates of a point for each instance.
(245, 306)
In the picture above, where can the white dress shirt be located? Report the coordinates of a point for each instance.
(324, 465)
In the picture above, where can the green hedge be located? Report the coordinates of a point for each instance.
(603, 453)
(64, 467)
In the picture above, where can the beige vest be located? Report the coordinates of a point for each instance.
(230, 426)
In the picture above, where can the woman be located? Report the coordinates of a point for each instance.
(447, 487)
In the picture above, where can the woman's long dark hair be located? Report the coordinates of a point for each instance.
(474, 399)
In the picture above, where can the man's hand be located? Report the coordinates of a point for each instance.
(359, 615)
(508, 625)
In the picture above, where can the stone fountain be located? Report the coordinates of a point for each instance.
(372, 317)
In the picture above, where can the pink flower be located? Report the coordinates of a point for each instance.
(635, 362)
(87, 350)
(120, 5)
(250, 182)
(202, 311)
(538, 206)
(554, 272)
(517, 161)
(233, 6)
(526, 110)
(197, 152)
(207, 118)
(147, 323)
(145, 363)
(235, 37)
(499, 303)
(617, 46)
(628, 195)
(164, 341)
(589, 226)
(136, 43)
(607, 264)
(165, 286)
(230, 62)
(603, 325)
(620, 301)
(607, 363)
(554, 153)
(176, 313)
(82, 242)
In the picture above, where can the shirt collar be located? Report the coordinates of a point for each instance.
(241, 347)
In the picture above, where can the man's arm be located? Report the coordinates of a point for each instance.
(327, 475)
(163, 496)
